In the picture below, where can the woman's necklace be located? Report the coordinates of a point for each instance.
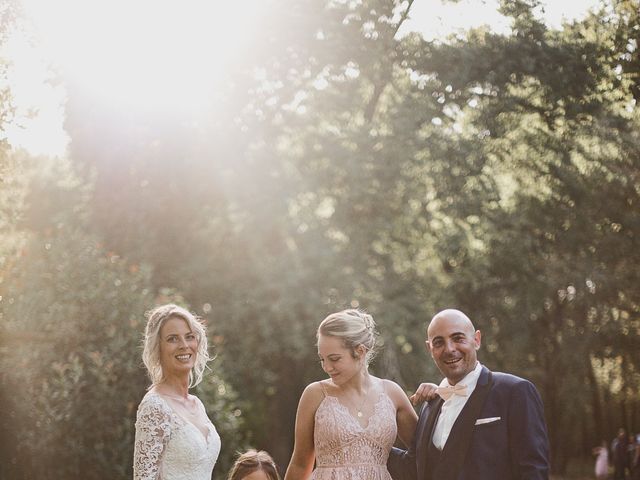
(359, 409)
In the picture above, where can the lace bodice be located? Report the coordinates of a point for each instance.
(168, 447)
(347, 451)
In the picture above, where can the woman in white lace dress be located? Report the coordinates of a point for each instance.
(175, 439)
(348, 423)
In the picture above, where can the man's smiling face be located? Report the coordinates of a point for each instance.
(453, 344)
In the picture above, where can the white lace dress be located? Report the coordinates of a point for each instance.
(168, 447)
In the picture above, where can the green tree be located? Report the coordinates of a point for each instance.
(72, 317)
(352, 166)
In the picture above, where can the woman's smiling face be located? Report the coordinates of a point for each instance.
(178, 347)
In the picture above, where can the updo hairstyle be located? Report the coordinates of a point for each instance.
(151, 352)
(355, 328)
(254, 461)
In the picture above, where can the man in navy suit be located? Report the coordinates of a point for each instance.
(482, 425)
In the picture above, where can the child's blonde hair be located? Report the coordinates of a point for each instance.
(254, 461)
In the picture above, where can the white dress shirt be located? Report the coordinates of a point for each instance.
(452, 407)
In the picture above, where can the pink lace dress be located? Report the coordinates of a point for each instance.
(347, 451)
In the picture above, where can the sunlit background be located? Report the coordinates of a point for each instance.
(267, 162)
(168, 57)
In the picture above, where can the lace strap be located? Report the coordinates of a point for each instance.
(201, 405)
(324, 389)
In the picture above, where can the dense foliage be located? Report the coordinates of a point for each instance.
(496, 173)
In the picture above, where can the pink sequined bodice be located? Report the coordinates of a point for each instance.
(347, 451)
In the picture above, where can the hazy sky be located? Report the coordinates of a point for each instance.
(192, 71)
(434, 18)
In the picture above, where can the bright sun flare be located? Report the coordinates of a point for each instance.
(144, 53)
(157, 56)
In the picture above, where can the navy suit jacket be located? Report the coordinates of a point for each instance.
(510, 444)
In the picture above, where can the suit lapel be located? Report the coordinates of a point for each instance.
(455, 450)
(425, 432)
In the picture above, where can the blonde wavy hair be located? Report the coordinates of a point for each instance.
(355, 327)
(151, 344)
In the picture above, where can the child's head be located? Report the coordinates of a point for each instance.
(254, 465)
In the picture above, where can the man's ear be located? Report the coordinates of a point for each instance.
(478, 339)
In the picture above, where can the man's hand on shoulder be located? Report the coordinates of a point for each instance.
(424, 393)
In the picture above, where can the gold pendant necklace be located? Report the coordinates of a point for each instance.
(359, 410)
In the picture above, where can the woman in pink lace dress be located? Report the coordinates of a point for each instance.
(348, 423)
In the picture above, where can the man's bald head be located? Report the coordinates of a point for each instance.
(451, 315)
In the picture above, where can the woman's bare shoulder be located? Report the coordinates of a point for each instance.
(395, 392)
(314, 393)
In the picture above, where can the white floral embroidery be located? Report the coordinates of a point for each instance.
(168, 447)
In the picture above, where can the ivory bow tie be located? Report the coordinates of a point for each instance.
(447, 392)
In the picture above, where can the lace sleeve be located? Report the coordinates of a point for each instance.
(153, 427)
